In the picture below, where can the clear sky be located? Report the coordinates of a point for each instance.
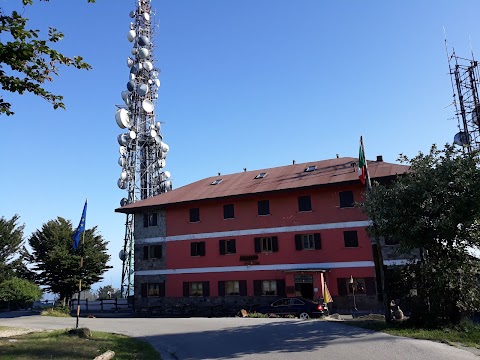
(245, 84)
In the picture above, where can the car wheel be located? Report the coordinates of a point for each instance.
(304, 316)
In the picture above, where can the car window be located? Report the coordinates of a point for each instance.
(281, 302)
(297, 302)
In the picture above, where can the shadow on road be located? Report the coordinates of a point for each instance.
(16, 314)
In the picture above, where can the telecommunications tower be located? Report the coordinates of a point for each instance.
(464, 74)
(142, 150)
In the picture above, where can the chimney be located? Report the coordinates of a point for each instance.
(379, 158)
(293, 162)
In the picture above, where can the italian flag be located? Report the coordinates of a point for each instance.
(362, 165)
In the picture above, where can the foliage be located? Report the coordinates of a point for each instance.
(19, 293)
(58, 311)
(434, 208)
(108, 292)
(58, 265)
(28, 61)
(12, 252)
(60, 345)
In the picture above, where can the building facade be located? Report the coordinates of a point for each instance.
(248, 238)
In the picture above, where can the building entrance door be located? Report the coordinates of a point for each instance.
(304, 286)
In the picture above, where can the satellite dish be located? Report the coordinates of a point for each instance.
(132, 76)
(462, 138)
(132, 134)
(143, 40)
(122, 140)
(129, 62)
(146, 16)
(132, 14)
(122, 161)
(157, 125)
(158, 139)
(143, 53)
(143, 90)
(122, 117)
(155, 74)
(124, 202)
(134, 51)
(147, 65)
(153, 133)
(122, 150)
(164, 147)
(121, 255)
(157, 82)
(121, 184)
(131, 35)
(161, 163)
(167, 174)
(168, 185)
(131, 85)
(147, 105)
(124, 175)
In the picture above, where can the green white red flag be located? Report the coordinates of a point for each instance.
(362, 165)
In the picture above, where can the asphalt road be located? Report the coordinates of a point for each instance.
(249, 338)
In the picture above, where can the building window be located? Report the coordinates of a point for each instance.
(269, 287)
(150, 219)
(308, 242)
(346, 199)
(197, 288)
(227, 247)
(361, 285)
(358, 285)
(194, 215)
(152, 252)
(197, 248)
(153, 289)
(266, 244)
(261, 176)
(304, 203)
(263, 207)
(232, 288)
(228, 211)
(350, 238)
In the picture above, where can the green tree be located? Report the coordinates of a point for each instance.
(27, 61)
(12, 251)
(435, 209)
(19, 293)
(58, 265)
(108, 292)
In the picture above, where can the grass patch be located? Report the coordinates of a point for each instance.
(60, 345)
(466, 333)
(54, 313)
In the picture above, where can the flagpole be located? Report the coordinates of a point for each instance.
(80, 281)
(80, 230)
(378, 243)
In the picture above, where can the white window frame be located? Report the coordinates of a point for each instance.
(153, 289)
(232, 288)
(269, 288)
(195, 288)
(309, 241)
(266, 244)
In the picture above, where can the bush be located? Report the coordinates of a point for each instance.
(19, 293)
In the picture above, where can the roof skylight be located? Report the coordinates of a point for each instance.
(216, 182)
(261, 176)
(311, 168)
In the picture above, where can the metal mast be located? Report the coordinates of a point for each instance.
(142, 150)
(464, 75)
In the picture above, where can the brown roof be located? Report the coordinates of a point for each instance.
(327, 172)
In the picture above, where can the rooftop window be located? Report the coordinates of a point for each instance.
(311, 168)
(216, 182)
(261, 176)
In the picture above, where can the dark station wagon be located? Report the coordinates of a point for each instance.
(296, 306)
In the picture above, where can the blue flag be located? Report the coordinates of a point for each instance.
(80, 228)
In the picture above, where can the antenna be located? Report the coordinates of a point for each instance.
(142, 149)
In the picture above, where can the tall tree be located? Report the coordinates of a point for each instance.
(58, 265)
(28, 61)
(12, 249)
(435, 209)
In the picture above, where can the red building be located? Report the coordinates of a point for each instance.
(252, 236)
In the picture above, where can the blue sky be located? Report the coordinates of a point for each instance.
(247, 83)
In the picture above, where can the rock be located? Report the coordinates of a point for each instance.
(83, 333)
(107, 355)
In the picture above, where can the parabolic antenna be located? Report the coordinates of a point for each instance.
(132, 14)
(122, 161)
(122, 118)
(143, 90)
(124, 202)
(157, 82)
(129, 62)
(132, 134)
(158, 139)
(143, 40)
(167, 174)
(131, 35)
(157, 125)
(153, 133)
(143, 53)
(121, 255)
(168, 185)
(123, 175)
(121, 184)
(462, 138)
(164, 147)
(147, 65)
(147, 105)
(146, 16)
(122, 140)
(134, 51)
(122, 150)
(161, 163)
(131, 85)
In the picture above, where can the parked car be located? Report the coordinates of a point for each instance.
(297, 306)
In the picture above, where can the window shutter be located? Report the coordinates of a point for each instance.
(206, 288)
(274, 243)
(257, 287)
(318, 242)
(222, 246)
(221, 288)
(233, 246)
(162, 290)
(145, 220)
(201, 249)
(193, 249)
(144, 289)
(186, 289)
(342, 286)
(242, 286)
(154, 219)
(298, 242)
(281, 288)
(370, 286)
(158, 251)
(257, 245)
(145, 253)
